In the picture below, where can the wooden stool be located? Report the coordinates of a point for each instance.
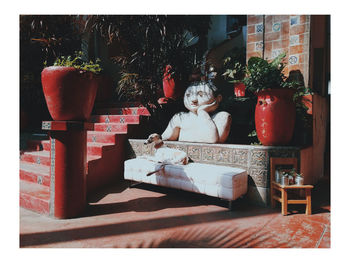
(283, 188)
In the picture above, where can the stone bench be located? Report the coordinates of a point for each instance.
(253, 159)
(224, 182)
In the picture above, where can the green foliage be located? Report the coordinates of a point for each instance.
(149, 43)
(77, 62)
(262, 74)
(234, 66)
(235, 73)
(254, 136)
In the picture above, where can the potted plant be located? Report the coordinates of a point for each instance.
(234, 73)
(70, 87)
(42, 38)
(237, 100)
(275, 109)
(171, 84)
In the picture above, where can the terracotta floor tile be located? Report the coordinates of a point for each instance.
(156, 217)
(325, 241)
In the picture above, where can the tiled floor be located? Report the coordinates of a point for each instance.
(151, 217)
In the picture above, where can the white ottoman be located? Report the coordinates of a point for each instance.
(214, 180)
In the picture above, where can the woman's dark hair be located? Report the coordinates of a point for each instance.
(210, 84)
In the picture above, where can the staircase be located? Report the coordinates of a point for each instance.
(105, 154)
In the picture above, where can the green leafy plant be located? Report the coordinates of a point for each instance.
(262, 75)
(77, 62)
(147, 44)
(234, 65)
(254, 137)
(234, 74)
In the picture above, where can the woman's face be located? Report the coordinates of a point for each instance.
(196, 96)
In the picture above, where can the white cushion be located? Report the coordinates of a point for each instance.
(213, 180)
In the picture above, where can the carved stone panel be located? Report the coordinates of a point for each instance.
(223, 155)
(207, 154)
(137, 147)
(240, 157)
(194, 152)
(181, 147)
(147, 149)
(259, 176)
(259, 158)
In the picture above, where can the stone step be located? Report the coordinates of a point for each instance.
(94, 151)
(102, 137)
(35, 197)
(105, 137)
(46, 145)
(91, 157)
(34, 173)
(36, 157)
(96, 148)
(124, 111)
(112, 127)
(130, 119)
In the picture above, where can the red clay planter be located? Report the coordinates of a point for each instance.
(70, 93)
(171, 85)
(275, 116)
(239, 89)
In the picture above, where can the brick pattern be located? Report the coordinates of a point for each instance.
(270, 35)
(255, 36)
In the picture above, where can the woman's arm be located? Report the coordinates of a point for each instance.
(172, 132)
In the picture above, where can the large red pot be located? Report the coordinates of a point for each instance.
(275, 116)
(69, 92)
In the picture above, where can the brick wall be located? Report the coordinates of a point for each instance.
(270, 35)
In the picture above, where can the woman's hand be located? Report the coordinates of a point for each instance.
(208, 107)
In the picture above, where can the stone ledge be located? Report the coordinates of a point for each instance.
(254, 159)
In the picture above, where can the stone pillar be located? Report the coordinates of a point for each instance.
(68, 140)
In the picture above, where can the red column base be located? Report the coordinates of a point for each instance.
(68, 167)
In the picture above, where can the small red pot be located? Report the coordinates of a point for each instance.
(275, 116)
(171, 85)
(69, 93)
(239, 89)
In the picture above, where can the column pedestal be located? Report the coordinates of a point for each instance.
(68, 140)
